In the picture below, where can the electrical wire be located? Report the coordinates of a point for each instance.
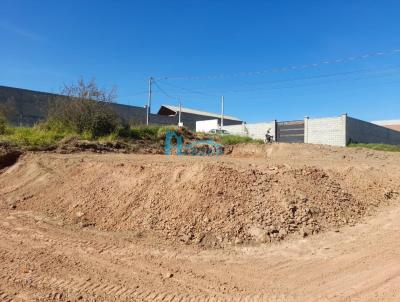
(286, 68)
(164, 92)
(290, 80)
(326, 83)
(190, 90)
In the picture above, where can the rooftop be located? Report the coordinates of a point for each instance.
(165, 109)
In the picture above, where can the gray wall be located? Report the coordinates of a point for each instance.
(255, 131)
(31, 107)
(341, 130)
(359, 131)
(26, 107)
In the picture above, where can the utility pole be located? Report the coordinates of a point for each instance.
(222, 112)
(149, 102)
(180, 110)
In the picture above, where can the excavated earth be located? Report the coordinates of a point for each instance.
(282, 222)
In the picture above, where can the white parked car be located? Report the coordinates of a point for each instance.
(219, 131)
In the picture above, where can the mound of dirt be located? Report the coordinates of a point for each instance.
(195, 201)
(75, 145)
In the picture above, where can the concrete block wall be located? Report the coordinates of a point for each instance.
(236, 129)
(31, 107)
(358, 131)
(325, 131)
(255, 131)
(258, 131)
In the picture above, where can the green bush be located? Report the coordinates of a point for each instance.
(379, 147)
(3, 124)
(144, 132)
(234, 139)
(109, 138)
(84, 107)
(84, 116)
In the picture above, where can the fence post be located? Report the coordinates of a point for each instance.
(306, 118)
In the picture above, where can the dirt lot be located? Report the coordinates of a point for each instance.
(264, 223)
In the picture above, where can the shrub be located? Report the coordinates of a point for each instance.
(84, 108)
(109, 138)
(203, 135)
(123, 131)
(162, 131)
(234, 139)
(3, 124)
(144, 132)
(379, 147)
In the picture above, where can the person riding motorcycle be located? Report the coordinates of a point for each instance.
(268, 136)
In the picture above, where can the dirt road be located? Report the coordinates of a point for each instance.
(53, 248)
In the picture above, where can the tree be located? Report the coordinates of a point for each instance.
(3, 123)
(84, 107)
(7, 109)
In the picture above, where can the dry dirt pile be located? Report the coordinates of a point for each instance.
(203, 202)
(75, 145)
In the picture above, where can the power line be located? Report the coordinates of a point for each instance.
(320, 84)
(164, 92)
(323, 76)
(286, 68)
(216, 93)
(190, 90)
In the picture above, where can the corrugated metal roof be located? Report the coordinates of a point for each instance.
(193, 111)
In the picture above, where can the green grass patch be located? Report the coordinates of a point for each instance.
(235, 139)
(379, 147)
(44, 135)
(48, 134)
(32, 137)
(108, 138)
(143, 132)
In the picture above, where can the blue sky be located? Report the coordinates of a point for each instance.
(192, 43)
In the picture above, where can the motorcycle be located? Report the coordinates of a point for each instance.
(268, 138)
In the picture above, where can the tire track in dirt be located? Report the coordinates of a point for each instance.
(13, 226)
(22, 226)
(22, 229)
(87, 289)
(4, 297)
(63, 289)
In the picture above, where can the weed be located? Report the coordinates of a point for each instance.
(379, 147)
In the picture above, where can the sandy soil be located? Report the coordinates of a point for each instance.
(265, 223)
